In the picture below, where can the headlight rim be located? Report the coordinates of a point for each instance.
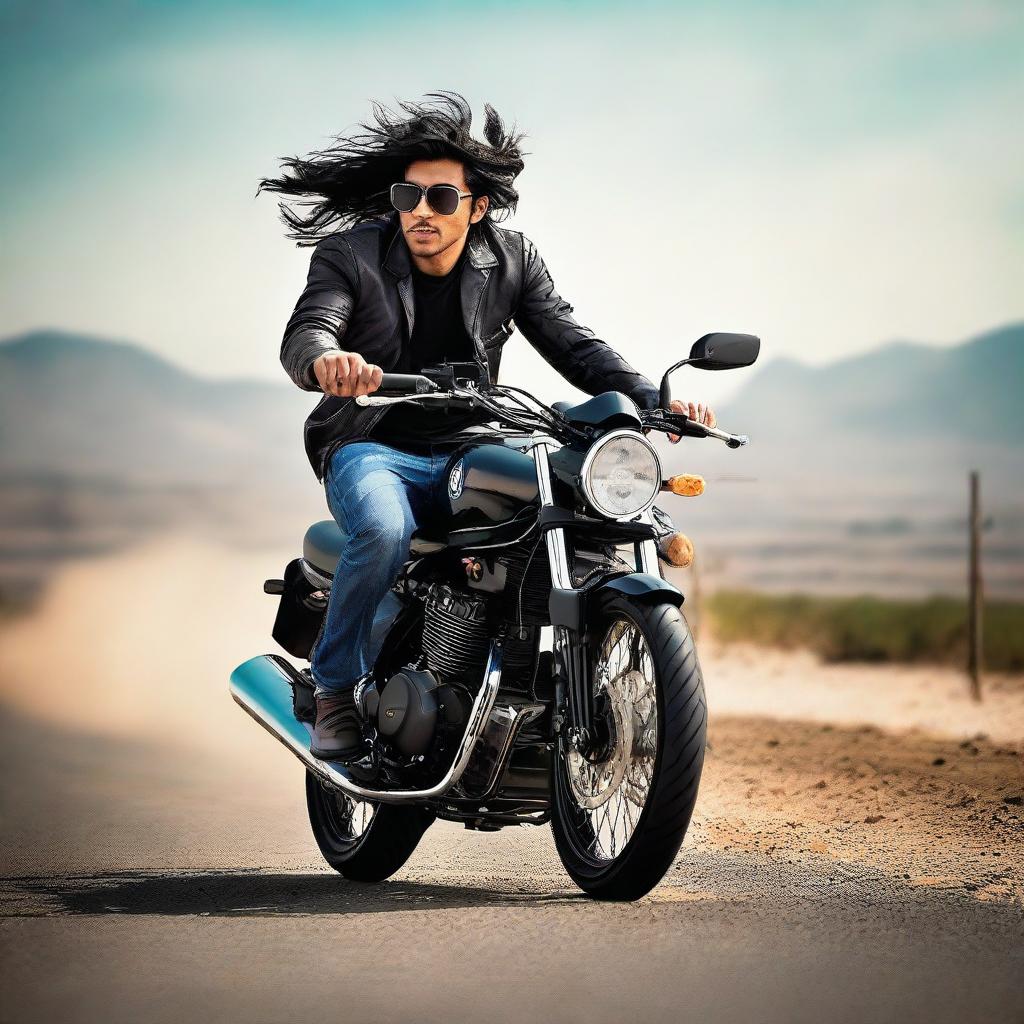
(588, 461)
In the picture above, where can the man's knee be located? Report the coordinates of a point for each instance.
(385, 525)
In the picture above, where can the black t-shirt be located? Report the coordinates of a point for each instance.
(439, 336)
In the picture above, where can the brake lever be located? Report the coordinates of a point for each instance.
(731, 440)
(374, 400)
(691, 428)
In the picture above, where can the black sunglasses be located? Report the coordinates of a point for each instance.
(443, 199)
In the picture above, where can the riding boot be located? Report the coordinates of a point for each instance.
(337, 733)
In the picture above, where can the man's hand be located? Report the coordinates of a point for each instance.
(346, 374)
(700, 412)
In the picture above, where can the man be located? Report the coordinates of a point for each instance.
(422, 275)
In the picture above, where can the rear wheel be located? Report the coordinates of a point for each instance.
(623, 804)
(364, 841)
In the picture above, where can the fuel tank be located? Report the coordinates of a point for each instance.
(492, 493)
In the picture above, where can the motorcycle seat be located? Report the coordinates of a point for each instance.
(324, 541)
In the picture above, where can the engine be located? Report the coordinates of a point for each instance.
(421, 713)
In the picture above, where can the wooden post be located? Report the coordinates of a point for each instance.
(974, 609)
(698, 606)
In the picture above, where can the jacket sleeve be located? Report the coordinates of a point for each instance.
(321, 315)
(545, 320)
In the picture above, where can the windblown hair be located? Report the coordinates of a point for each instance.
(350, 181)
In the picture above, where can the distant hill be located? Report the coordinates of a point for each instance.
(970, 392)
(86, 407)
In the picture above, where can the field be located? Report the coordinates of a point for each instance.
(928, 631)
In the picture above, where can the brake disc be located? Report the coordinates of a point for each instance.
(595, 782)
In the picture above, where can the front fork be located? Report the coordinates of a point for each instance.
(569, 625)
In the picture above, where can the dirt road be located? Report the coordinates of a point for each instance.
(158, 866)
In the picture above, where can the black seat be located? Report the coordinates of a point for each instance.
(323, 543)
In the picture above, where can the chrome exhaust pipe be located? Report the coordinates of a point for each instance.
(262, 687)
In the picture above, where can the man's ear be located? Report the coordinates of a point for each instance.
(480, 205)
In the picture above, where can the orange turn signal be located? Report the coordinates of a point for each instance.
(686, 484)
(676, 549)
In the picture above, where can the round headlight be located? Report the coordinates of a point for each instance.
(621, 475)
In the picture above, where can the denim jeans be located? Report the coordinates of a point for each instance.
(377, 495)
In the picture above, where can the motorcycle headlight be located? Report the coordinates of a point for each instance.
(621, 475)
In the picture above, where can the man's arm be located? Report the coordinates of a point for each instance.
(586, 361)
(321, 315)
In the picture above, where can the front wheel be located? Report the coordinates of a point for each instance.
(364, 841)
(623, 803)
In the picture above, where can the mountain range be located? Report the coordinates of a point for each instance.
(968, 392)
(85, 407)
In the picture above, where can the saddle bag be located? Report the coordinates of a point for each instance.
(300, 613)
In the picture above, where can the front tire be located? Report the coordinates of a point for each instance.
(365, 842)
(621, 813)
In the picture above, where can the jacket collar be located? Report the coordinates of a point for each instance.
(398, 261)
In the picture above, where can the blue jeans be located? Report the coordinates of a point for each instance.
(377, 495)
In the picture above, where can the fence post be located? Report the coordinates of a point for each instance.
(974, 610)
(698, 605)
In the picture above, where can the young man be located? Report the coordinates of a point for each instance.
(421, 274)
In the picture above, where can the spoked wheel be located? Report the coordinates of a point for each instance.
(623, 802)
(366, 842)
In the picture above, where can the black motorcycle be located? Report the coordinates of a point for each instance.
(530, 663)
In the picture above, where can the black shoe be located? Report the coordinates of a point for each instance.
(337, 732)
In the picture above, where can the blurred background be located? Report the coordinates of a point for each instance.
(844, 180)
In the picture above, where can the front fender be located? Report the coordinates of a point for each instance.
(570, 608)
(640, 586)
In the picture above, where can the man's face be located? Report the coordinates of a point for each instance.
(428, 233)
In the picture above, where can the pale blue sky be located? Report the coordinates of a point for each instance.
(829, 176)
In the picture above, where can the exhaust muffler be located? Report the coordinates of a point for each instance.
(262, 686)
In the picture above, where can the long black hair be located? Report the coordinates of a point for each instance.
(350, 181)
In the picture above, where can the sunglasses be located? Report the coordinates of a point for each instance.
(443, 199)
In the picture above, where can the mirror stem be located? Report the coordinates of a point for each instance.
(665, 391)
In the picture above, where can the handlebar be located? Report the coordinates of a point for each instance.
(403, 387)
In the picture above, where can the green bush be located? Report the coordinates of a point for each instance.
(869, 628)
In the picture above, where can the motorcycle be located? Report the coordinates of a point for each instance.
(530, 664)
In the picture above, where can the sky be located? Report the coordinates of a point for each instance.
(827, 176)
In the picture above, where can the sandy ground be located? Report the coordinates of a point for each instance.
(857, 852)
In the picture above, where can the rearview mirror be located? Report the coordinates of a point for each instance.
(713, 352)
(724, 351)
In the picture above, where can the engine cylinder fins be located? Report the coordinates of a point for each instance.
(527, 584)
(455, 639)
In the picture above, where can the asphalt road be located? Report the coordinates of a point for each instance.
(148, 882)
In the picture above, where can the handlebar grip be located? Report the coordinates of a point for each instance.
(405, 384)
(686, 427)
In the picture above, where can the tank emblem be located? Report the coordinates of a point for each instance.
(456, 480)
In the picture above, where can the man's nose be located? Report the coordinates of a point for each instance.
(422, 208)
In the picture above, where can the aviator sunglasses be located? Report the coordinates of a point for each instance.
(443, 199)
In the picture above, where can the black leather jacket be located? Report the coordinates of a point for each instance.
(359, 297)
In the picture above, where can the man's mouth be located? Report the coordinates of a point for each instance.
(424, 231)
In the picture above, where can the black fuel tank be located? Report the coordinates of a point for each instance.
(492, 493)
